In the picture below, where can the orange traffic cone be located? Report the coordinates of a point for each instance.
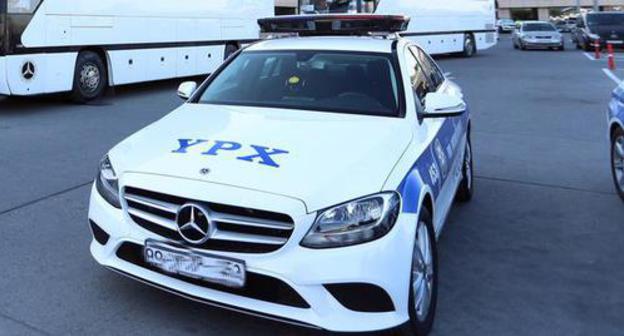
(611, 57)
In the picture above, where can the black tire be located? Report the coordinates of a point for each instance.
(515, 45)
(522, 46)
(470, 47)
(466, 186)
(562, 48)
(416, 326)
(618, 133)
(90, 77)
(230, 49)
(578, 45)
(587, 46)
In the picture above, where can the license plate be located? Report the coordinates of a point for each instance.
(615, 42)
(194, 264)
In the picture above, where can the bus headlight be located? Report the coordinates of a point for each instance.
(107, 183)
(355, 222)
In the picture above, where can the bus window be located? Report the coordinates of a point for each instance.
(23, 6)
(337, 6)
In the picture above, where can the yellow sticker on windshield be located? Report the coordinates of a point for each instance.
(294, 80)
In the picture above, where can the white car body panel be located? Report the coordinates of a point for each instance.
(332, 158)
(339, 146)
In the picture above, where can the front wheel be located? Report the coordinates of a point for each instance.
(466, 186)
(424, 279)
(90, 77)
(470, 47)
(617, 161)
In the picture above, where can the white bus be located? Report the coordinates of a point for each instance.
(84, 46)
(439, 26)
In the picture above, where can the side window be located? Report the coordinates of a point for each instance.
(23, 6)
(434, 74)
(418, 79)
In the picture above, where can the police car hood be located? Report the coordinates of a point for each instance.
(319, 158)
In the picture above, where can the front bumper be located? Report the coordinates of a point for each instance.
(4, 85)
(384, 263)
(536, 43)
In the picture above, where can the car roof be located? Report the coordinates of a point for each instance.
(376, 44)
(528, 22)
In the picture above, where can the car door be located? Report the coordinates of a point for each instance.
(444, 135)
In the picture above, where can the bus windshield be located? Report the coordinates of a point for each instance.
(342, 82)
(337, 6)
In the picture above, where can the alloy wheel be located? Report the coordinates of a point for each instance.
(422, 272)
(618, 161)
(90, 77)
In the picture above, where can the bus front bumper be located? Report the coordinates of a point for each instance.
(4, 85)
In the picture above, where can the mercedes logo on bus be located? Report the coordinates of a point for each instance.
(28, 70)
(194, 224)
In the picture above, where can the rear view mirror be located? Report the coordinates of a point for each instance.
(440, 105)
(186, 90)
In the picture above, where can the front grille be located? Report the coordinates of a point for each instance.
(258, 286)
(238, 229)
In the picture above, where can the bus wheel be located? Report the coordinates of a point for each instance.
(470, 47)
(230, 49)
(90, 78)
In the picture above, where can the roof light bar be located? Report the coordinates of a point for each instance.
(334, 24)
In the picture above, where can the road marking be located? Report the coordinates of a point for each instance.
(590, 56)
(611, 75)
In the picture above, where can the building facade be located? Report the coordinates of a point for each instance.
(285, 7)
(544, 9)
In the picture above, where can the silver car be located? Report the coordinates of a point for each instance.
(537, 34)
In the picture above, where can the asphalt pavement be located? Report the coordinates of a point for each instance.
(540, 250)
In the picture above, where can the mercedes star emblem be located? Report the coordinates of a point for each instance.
(28, 70)
(194, 224)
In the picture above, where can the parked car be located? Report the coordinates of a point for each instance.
(307, 180)
(571, 24)
(602, 27)
(537, 34)
(505, 25)
(616, 137)
(562, 27)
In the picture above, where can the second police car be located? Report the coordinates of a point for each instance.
(616, 136)
(307, 181)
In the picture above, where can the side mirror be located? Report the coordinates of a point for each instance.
(441, 105)
(186, 90)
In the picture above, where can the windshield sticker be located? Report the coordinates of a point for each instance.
(252, 153)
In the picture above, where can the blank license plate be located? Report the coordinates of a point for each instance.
(194, 264)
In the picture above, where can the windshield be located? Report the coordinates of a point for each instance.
(507, 22)
(605, 19)
(337, 6)
(346, 82)
(538, 27)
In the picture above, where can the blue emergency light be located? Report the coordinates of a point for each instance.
(334, 24)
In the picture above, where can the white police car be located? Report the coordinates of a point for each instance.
(616, 136)
(306, 181)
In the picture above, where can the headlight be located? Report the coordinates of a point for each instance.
(355, 222)
(593, 36)
(107, 183)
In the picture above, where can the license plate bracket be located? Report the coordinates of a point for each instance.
(180, 260)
